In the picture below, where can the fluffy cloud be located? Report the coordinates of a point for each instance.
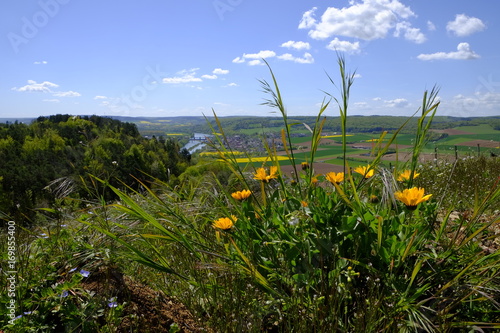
(308, 21)
(184, 76)
(307, 59)
(255, 62)
(481, 103)
(209, 77)
(409, 33)
(343, 46)
(255, 57)
(33, 86)
(463, 52)
(220, 71)
(397, 103)
(238, 60)
(465, 25)
(66, 94)
(368, 20)
(40, 62)
(296, 45)
(260, 55)
(46, 87)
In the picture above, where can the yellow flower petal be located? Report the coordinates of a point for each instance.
(412, 197)
(334, 177)
(365, 171)
(241, 195)
(405, 175)
(225, 223)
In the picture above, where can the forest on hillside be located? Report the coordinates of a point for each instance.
(42, 162)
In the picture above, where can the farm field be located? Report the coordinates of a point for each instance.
(458, 143)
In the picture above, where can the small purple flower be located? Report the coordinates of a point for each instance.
(44, 235)
(84, 273)
(18, 317)
(64, 293)
(28, 312)
(112, 304)
(72, 270)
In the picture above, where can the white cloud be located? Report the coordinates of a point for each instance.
(465, 25)
(256, 57)
(481, 103)
(307, 59)
(260, 55)
(66, 94)
(255, 62)
(40, 62)
(361, 105)
(431, 26)
(409, 33)
(100, 97)
(357, 76)
(344, 46)
(220, 71)
(396, 103)
(232, 84)
(238, 60)
(296, 45)
(184, 76)
(368, 20)
(33, 86)
(463, 52)
(54, 100)
(209, 77)
(308, 20)
(377, 99)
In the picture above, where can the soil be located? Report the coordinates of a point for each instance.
(145, 310)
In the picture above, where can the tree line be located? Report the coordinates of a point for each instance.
(55, 155)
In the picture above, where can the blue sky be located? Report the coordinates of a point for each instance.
(173, 58)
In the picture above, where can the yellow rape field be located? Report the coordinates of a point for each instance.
(260, 159)
(334, 136)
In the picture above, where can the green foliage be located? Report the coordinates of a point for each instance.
(52, 265)
(69, 147)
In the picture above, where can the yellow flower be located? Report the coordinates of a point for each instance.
(365, 171)
(335, 177)
(304, 204)
(225, 223)
(405, 175)
(241, 195)
(412, 197)
(260, 174)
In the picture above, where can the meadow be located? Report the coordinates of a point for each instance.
(370, 244)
